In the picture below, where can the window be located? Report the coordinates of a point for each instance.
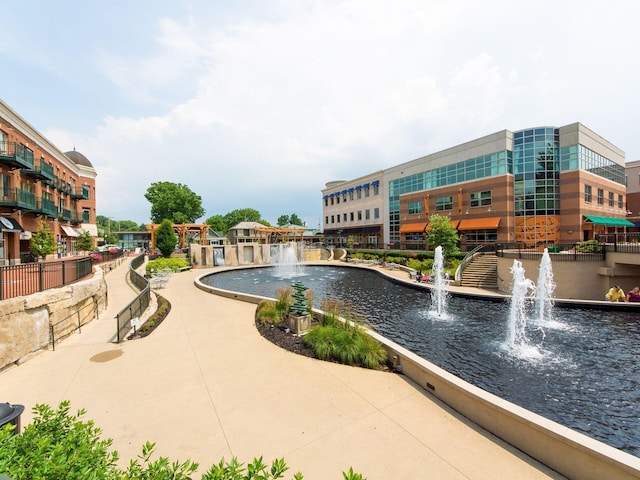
(415, 207)
(333, 219)
(444, 203)
(326, 202)
(359, 193)
(480, 199)
(366, 192)
(338, 199)
(344, 196)
(344, 217)
(359, 214)
(326, 220)
(351, 195)
(376, 189)
(611, 199)
(367, 214)
(376, 213)
(351, 216)
(338, 218)
(600, 196)
(331, 200)
(587, 193)
(620, 202)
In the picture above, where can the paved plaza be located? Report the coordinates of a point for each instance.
(206, 385)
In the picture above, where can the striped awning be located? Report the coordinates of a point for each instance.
(491, 223)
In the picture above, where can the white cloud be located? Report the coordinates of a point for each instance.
(264, 108)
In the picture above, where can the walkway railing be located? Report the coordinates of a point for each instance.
(572, 252)
(64, 327)
(468, 258)
(620, 242)
(28, 278)
(139, 304)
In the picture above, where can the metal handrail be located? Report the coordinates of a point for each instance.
(138, 305)
(466, 260)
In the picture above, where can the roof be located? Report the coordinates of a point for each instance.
(78, 158)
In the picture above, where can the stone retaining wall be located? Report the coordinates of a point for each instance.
(25, 321)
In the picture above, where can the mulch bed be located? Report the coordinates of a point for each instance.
(288, 341)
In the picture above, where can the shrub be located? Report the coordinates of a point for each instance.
(165, 264)
(267, 313)
(284, 300)
(164, 307)
(589, 246)
(58, 445)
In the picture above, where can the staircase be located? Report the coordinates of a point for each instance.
(481, 272)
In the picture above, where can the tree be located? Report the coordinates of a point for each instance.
(217, 223)
(295, 220)
(441, 232)
(84, 243)
(243, 215)
(283, 220)
(175, 202)
(128, 226)
(42, 242)
(166, 238)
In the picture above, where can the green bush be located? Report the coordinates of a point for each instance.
(60, 446)
(589, 246)
(165, 264)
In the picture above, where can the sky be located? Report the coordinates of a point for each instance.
(258, 104)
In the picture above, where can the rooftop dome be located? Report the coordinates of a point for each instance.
(78, 158)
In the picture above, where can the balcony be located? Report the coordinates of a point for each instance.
(17, 199)
(63, 186)
(64, 215)
(80, 193)
(41, 170)
(47, 207)
(15, 155)
(79, 217)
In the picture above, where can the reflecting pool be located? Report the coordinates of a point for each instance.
(584, 374)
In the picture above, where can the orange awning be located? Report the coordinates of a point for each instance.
(454, 224)
(413, 227)
(480, 224)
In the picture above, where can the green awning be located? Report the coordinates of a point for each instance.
(610, 221)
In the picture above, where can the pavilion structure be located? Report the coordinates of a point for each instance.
(181, 229)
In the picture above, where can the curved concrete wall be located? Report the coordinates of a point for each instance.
(570, 453)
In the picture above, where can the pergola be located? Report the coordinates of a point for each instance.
(282, 234)
(181, 229)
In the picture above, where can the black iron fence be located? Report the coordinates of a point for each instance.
(138, 305)
(590, 251)
(28, 278)
(620, 242)
(72, 322)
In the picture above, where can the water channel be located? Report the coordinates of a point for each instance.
(582, 372)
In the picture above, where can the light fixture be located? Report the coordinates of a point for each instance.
(489, 209)
(467, 212)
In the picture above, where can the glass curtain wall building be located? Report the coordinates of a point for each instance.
(530, 186)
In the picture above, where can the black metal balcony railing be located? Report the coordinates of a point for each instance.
(82, 192)
(571, 252)
(64, 214)
(47, 207)
(17, 198)
(41, 170)
(15, 155)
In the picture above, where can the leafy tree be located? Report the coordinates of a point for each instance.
(218, 223)
(295, 220)
(243, 215)
(175, 202)
(166, 238)
(292, 219)
(43, 242)
(441, 232)
(128, 226)
(84, 243)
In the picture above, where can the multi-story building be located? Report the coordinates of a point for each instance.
(41, 185)
(633, 192)
(535, 186)
(354, 211)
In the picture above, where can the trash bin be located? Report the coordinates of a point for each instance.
(11, 414)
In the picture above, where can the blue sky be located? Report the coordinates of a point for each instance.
(257, 104)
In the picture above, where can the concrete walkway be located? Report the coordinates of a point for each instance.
(206, 385)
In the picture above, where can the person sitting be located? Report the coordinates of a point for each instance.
(616, 294)
(418, 276)
(634, 295)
